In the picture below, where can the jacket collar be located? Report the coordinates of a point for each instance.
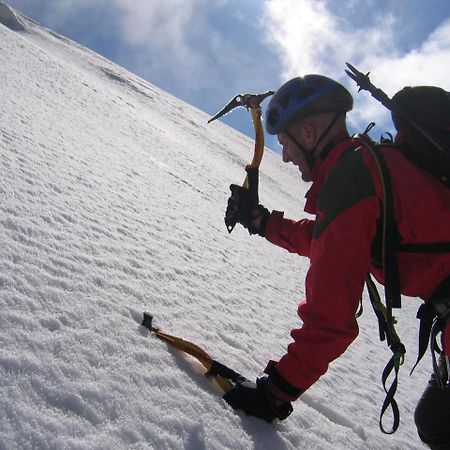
(330, 155)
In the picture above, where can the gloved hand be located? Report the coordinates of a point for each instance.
(255, 399)
(251, 216)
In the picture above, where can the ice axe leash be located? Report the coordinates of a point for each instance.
(223, 375)
(251, 102)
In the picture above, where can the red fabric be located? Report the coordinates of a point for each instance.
(341, 258)
(293, 236)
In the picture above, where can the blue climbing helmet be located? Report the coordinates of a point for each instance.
(302, 97)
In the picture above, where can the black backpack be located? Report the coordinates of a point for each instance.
(421, 116)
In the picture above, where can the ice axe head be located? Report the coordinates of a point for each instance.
(248, 101)
(147, 322)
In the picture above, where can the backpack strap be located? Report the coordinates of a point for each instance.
(428, 247)
(391, 287)
(388, 242)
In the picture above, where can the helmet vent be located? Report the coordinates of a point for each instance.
(306, 91)
(284, 101)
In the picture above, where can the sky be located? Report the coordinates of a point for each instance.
(205, 52)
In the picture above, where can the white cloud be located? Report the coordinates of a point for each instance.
(160, 35)
(159, 23)
(428, 64)
(199, 50)
(311, 38)
(176, 40)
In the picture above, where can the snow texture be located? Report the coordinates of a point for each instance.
(113, 196)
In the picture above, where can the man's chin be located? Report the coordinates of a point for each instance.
(306, 177)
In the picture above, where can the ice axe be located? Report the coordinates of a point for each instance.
(223, 375)
(251, 102)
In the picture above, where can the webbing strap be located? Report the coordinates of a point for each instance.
(426, 316)
(429, 247)
(390, 266)
(387, 331)
(394, 364)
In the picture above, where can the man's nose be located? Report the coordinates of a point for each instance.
(285, 155)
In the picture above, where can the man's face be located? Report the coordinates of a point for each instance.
(292, 153)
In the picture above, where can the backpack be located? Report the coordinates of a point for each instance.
(421, 116)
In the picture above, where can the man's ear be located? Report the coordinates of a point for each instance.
(308, 133)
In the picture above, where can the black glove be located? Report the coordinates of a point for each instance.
(255, 399)
(242, 210)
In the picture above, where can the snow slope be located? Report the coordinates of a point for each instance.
(113, 194)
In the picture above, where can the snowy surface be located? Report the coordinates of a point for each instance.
(113, 194)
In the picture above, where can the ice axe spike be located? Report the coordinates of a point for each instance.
(364, 84)
(245, 100)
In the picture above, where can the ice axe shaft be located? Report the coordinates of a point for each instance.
(253, 103)
(223, 375)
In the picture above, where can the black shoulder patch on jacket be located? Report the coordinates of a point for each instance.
(348, 182)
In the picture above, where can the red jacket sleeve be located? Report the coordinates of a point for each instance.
(339, 265)
(293, 236)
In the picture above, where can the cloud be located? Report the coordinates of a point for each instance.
(310, 37)
(161, 35)
(427, 64)
(158, 23)
(193, 47)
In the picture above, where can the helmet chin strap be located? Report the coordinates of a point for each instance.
(309, 155)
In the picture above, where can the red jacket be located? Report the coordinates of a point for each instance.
(345, 197)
